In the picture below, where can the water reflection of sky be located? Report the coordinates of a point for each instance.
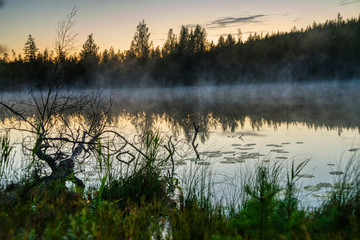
(319, 122)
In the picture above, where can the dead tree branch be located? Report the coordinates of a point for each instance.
(196, 128)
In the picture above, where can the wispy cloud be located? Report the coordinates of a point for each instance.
(235, 34)
(230, 21)
(347, 2)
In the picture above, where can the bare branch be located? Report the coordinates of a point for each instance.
(193, 141)
(65, 38)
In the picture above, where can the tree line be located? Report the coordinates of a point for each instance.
(322, 51)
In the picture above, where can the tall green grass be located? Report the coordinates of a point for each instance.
(5, 157)
(144, 178)
(139, 203)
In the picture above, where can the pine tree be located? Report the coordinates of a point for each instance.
(105, 58)
(221, 42)
(89, 53)
(199, 41)
(30, 49)
(141, 45)
(170, 44)
(230, 41)
(184, 40)
(239, 34)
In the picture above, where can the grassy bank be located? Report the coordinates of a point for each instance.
(148, 203)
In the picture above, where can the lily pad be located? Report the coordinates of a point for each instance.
(331, 164)
(229, 152)
(228, 162)
(285, 143)
(209, 152)
(353, 149)
(324, 185)
(179, 163)
(235, 145)
(312, 188)
(299, 142)
(203, 163)
(250, 144)
(306, 176)
(249, 156)
(278, 151)
(245, 148)
(321, 195)
(336, 173)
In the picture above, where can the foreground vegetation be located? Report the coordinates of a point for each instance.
(141, 204)
(322, 51)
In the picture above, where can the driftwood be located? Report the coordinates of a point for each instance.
(64, 169)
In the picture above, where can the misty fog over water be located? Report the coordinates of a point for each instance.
(329, 104)
(261, 123)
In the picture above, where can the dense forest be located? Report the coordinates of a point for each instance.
(322, 51)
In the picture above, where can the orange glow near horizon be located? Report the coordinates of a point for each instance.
(113, 24)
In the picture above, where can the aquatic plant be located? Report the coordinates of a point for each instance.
(5, 156)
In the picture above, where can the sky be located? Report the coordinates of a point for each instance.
(113, 22)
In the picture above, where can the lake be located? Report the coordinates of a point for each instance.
(243, 126)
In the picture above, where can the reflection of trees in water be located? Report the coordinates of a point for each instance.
(227, 109)
(179, 116)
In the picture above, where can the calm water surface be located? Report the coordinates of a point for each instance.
(248, 125)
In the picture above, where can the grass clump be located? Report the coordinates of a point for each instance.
(144, 180)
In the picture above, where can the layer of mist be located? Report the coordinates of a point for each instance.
(330, 104)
